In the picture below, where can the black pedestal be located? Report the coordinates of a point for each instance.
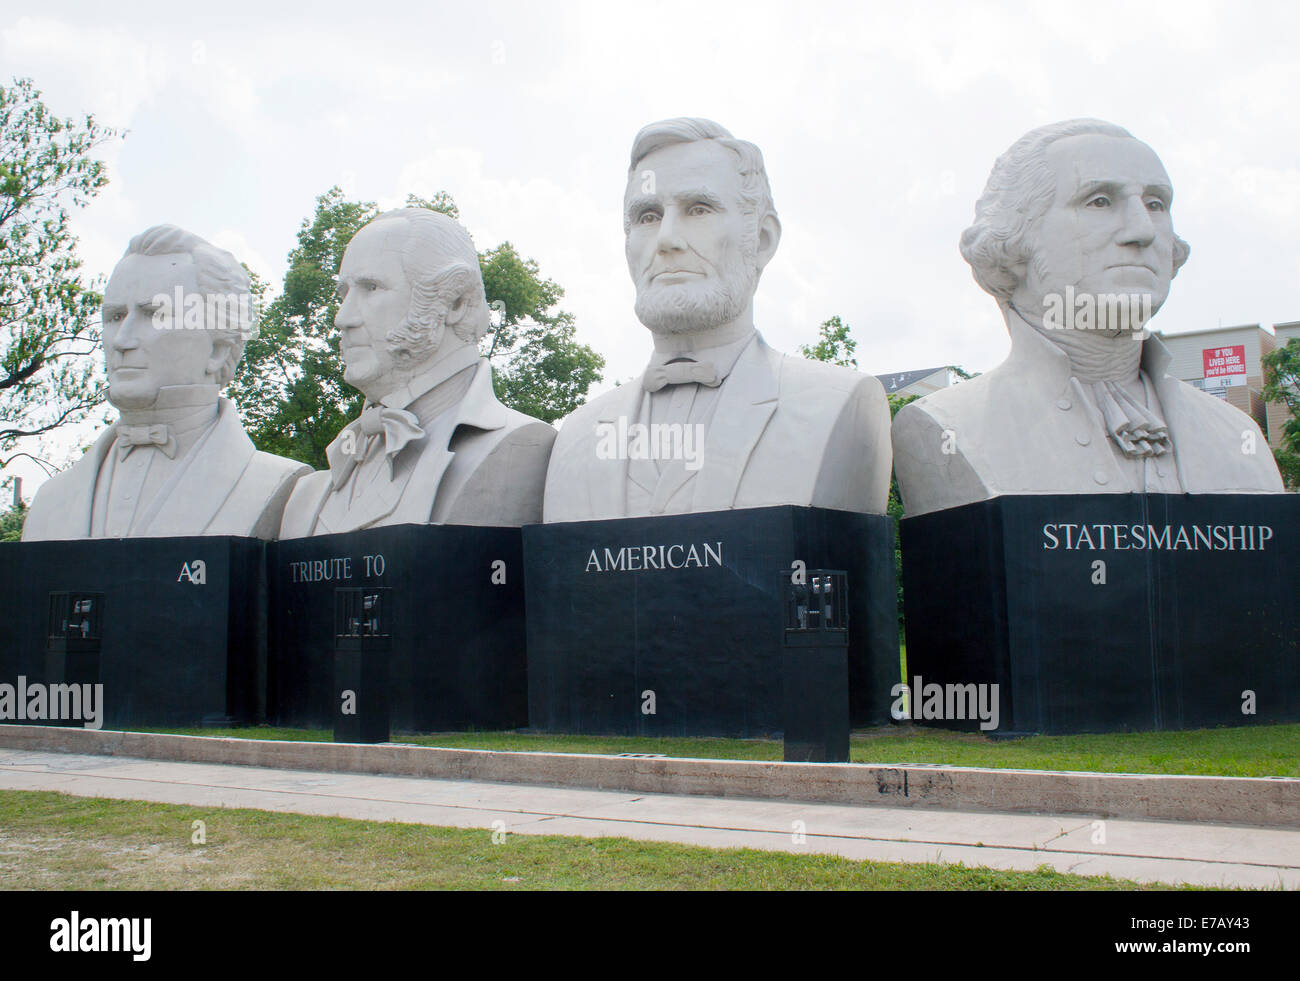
(179, 627)
(363, 641)
(457, 623)
(362, 692)
(816, 704)
(1108, 612)
(672, 625)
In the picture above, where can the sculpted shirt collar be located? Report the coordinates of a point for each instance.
(428, 407)
(425, 382)
(1034, 352)
(179, 413)
(723, 354)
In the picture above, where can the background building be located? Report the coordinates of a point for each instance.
(1226, 362)
(921, 382)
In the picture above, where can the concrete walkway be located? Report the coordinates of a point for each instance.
(1147, 851)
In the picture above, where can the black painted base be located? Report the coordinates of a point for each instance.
(1009, 592)
(686, 640)
(816, 704)
(181, 637)
(457, 655)
(362, 693)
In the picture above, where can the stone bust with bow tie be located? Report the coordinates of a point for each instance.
(177, 313)
(1074, 238)
(718, 420)
(433, 444)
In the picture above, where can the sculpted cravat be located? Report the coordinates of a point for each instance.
(397, 427)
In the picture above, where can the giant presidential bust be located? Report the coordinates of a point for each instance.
(718, 419)
(177, 313)
(1074, 238)
(432, 445)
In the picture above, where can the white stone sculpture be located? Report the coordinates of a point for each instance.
(718, 420)
(433, 444)
(177, 313)
(1074, 238)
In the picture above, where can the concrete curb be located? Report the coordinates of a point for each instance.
(1260, 801)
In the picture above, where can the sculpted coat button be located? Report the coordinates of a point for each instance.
(1083, 439)
(1160, 471)
(1101, 477)
(1063, 404)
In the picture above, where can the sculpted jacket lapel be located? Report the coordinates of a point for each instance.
(216, 463)
(479, 409)
(67, 513)
(607, 479)
(1208, 445)
(745, 404)
(1174, 408)
(1042, 376)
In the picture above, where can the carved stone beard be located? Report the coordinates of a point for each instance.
(692, 308)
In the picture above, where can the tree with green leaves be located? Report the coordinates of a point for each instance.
(289, 386)
(11, 523)
(50, 372)
(1282, 385)
(834, 345)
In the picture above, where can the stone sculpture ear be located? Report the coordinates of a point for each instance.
(227, 349)
(461, 304)
(769, 237)
(465, 310)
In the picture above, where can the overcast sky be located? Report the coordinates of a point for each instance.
(879, 123)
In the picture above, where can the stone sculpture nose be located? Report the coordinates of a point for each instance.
(670, 238)
(1138, 228)
(127, 335)
(347, 315)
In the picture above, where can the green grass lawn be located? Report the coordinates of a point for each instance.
(56, 841)
(1247, 751)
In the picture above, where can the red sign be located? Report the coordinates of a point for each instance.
(1225, 365)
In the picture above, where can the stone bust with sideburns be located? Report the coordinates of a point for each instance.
(433, 445)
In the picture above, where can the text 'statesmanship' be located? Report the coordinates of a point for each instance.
(1156, 538)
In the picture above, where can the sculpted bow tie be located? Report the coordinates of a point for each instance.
(156, 435)
(397, 426)
(679, 373)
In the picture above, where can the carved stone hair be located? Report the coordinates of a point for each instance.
(217, 273)
(755, 192)
(442, 266)
(1019, 191)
